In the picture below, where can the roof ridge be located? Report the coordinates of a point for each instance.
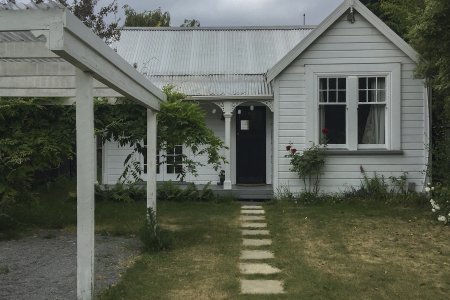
(223, 28)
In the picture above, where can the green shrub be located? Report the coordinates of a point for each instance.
(153, 238)
(120, 193)
(168, 191)
(308, 165)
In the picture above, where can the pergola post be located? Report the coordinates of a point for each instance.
(85, 184)
(151, 158)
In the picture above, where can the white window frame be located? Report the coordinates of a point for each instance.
(162, 175)
(391, 72)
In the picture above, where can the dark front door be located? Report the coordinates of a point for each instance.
(251, 145)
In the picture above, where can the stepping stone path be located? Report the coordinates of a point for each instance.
(255, 255)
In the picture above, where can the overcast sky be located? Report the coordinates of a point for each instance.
(239, 12)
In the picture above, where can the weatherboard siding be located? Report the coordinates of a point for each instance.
(346, 43)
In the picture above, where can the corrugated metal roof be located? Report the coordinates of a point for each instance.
(19, 36)
(25, 36)
(30, 5)
(208, 51)
(216, 85)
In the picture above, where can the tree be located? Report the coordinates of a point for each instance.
(95, 17)
(399, 15)
(150, 18)
(430, 36)
(179, 123)
(190, 23)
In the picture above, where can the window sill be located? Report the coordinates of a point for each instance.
(363, 152)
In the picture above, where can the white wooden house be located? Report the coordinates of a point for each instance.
(263, 88)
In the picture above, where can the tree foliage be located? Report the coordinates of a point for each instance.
(149, 18)
(33, 138)
(180, 122)
(190, 23)
(94, 17)
(430, 36)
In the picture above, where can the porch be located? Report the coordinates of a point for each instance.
(244, 192)
(238, 191)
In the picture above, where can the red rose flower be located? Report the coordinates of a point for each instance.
(293, 150)
(325, 131)
(288, 147)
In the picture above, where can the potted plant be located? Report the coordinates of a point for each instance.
(221, 177)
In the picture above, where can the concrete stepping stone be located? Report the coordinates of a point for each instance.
(261, 287)
(255, 232)
(251, 207)
(261, 268)
(256, 254)
(252, 212)
(252, 218)
(254, 225)
(256, 242)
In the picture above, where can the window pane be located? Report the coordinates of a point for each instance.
(342, 82)
(372, 83)
(170, 151)
(381, 96)
(342, 96)
(372, 96)
(362, 96)
(170, 159)
(323, 96)
(178, 169)
(332, 97)
(371, 124)
(323, 84)
(362, 83)
(333, 117)
(170, 169)
(178, 149)
(381, 83)
(333, 82)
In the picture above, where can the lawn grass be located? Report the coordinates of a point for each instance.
(202, 262)
(54, 207)
(360, 251)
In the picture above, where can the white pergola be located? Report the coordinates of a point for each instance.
(45, 51)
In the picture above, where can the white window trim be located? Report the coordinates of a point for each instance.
(162, 175)
(392, 73)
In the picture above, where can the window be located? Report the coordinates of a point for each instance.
(359, 104)
(334, 112)
(371, 110)
(174, 160)
(332, 109)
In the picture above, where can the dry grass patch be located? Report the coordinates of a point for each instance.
(360, 251)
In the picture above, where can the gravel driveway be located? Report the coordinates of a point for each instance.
(43, 266)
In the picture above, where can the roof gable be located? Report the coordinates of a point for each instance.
(328, 22)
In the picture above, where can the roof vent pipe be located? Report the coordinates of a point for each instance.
(304, 19)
